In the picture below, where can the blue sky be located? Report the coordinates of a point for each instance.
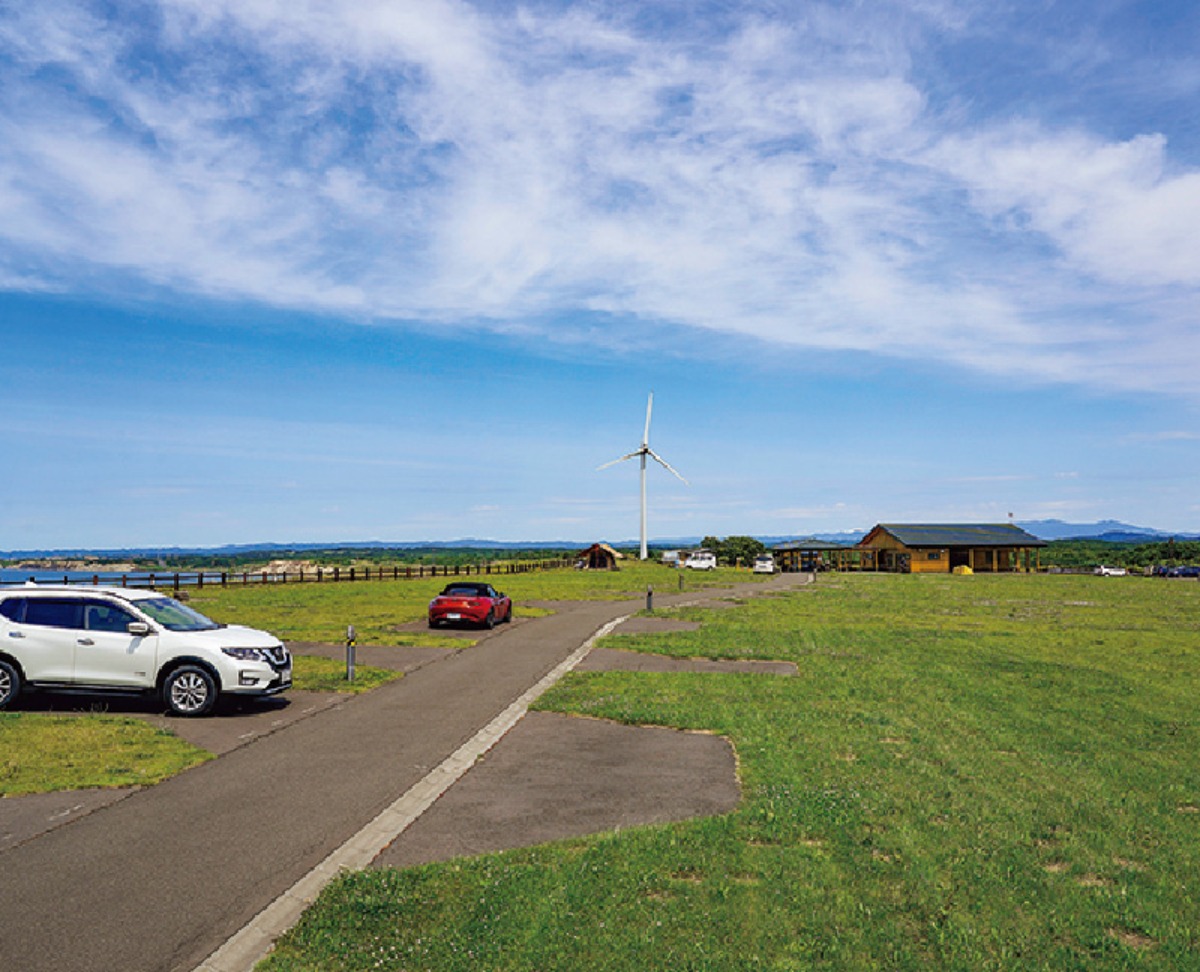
(304, 270)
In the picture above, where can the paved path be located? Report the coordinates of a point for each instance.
(157, 880)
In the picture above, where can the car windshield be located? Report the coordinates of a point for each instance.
(463, 592)
(175, 616)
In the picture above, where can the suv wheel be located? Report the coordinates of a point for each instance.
(190, 691)
(10, 682)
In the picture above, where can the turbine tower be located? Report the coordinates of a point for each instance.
(642, 453)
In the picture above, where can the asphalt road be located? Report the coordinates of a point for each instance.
(159, 879)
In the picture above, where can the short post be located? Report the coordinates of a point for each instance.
(681, 580)
(649, 598)
(351, 637)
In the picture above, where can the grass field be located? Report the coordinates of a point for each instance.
(968, 773)
(379, 609)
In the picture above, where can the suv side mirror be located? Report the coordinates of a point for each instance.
(138, 628)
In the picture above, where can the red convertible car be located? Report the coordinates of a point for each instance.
(471, 603)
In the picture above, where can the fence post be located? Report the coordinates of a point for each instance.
(199, 578)
(352, 573)
(223, 578)
(176, 583)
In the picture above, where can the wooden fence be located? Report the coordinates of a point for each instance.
(321, 575)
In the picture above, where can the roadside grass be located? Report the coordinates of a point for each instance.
(40, 753)
(312, 673)
(967, 773)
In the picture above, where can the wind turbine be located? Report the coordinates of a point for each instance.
(642, 453)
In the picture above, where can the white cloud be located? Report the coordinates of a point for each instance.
(1112, 208)
(440, 162)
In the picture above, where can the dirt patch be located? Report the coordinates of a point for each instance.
(553, 777)
(1093, 881)
(1132, 939)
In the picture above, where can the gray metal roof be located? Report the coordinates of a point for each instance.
(960, 535)
(810, 544)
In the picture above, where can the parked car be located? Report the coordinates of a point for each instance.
(1184, 570)
(764, 564)
(1103, 571)
(113, 640)
(472, 603)
(701, 560)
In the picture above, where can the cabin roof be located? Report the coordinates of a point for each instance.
(957, 535)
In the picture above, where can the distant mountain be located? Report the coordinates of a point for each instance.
(1112, 531)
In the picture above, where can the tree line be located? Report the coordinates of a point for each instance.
(1089, 553)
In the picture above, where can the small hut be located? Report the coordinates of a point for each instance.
(599, 556)
(808, 555)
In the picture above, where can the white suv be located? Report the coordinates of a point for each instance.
(116, 640)
(701, 560)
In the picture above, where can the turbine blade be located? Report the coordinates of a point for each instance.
(632, 455)
(666, 465)
(646, 434)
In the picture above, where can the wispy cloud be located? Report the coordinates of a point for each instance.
(785, 178)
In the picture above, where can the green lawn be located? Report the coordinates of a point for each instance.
(968, 773)
(40, 752)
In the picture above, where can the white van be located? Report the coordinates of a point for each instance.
(701, 560)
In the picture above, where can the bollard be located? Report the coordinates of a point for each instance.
(681, 580)
(650, 599)
(350, 639)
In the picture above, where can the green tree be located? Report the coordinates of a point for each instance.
(734, 550)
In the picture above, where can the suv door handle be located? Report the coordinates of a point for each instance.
(16, 634)
(85, 641)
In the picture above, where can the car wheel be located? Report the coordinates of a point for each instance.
(490, 621)
(10, 682)
(508, 614)
(432, 623)
(190, 691)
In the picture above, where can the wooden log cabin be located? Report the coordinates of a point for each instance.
(937, 548)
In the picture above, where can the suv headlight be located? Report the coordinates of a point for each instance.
(246, 654)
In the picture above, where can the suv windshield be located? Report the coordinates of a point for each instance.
(175, 616)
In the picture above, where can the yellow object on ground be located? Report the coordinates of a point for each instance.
(963, 569)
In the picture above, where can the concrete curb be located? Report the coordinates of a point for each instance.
(247, 947)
